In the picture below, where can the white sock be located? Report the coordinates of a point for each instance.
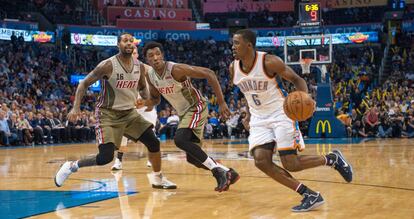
(75, 166)
(210, 163)
(222, 166)
(156, 173)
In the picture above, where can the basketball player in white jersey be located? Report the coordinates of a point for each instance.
(257, 75)
(122, 78)
(151, 116)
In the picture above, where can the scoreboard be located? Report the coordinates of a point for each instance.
(309, 14)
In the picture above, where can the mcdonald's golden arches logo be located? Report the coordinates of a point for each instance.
(323, 125)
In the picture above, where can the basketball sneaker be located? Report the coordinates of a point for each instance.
(233, 177)
(342, 166)
(64, 172)
(117, 165)
(159, 181)
(310, 201)
(149, 164)
(222, 177)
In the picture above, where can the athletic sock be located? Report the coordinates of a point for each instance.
(120, 155)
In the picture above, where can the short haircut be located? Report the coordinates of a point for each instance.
(124, 33)
(152, 45)
(248, 35)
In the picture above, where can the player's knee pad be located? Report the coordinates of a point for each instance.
(150, 141)
(106, 153)
(153, 146)
(182, 137)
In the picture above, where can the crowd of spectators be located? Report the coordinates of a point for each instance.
(377, 109)
(36, 93)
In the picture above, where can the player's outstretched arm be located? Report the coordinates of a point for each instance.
(180, 73)
(275, 66)
(103, 70)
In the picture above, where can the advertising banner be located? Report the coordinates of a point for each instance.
(93, 40)
(112, 13)
(156, 24)
(96, 40)
(337, 38)
(28, 35)
(324, 124)
(22, 25)
(146, 35)
(250, 6)
(352, 3)
(100, 4)
(76, 79)
(331, 29)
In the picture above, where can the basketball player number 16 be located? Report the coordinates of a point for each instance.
(256, 99)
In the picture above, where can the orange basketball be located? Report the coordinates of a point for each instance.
(299, 106)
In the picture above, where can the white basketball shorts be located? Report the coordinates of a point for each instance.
(276, 127)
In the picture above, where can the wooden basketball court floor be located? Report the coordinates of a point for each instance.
(383, 185)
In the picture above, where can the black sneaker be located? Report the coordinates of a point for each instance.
(233, 177)
(342, 166)
(222, 177)
(309, 202)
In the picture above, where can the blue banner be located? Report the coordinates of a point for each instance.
(337, 38)
(19, 25)
(324, 123)
(145, 35)
(373, 27)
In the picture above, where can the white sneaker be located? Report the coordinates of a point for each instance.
(149, 163)
(117, 175)
(117, 165)
(64, 172)
(161, 182)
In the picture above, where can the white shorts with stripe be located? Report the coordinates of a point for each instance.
(276, 127)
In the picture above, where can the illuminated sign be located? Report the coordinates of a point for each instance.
(309, 14)
(28, 35)
(323, 124)
(97, 40)
(76, 79)
(42, 37)
(358, 38)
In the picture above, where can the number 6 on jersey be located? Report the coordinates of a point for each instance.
(256, 99)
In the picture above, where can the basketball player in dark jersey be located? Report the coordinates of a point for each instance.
(122, 78)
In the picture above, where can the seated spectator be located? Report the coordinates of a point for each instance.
(232, 123)
(25, 129)
(358, 130)
(371, 122)
(13, 126)
(6, 137)
(171, 126)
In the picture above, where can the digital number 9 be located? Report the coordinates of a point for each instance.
(314, 15)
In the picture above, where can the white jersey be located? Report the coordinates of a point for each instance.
(268, 122)
(151, 116)
(262, 93)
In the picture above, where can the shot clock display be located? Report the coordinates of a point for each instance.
(309, 14)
